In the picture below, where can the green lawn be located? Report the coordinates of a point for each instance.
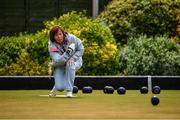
(27, 104)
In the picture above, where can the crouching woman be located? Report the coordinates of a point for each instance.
(66, 51)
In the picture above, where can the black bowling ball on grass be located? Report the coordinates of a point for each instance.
(108, 90)
(75, 89)
(121, 90)
(155, 100)
(87, 89)
(144, 90)
(156, 90)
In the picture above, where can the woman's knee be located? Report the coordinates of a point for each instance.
(70, 67)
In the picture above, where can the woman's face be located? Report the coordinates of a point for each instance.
(59, 37)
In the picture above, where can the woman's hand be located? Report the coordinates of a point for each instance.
(70, 61)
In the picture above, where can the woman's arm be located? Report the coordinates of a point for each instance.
(57, 58)
(79, 49)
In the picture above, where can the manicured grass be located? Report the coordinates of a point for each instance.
(27, 104)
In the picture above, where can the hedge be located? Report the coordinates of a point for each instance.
(27, 54)
(131, 18)
(150, 56)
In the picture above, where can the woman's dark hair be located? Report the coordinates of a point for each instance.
(54, 30)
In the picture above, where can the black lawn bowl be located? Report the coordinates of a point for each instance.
(156, 90)
(87, 89)
(155, 100)
(75, 89)
(108, 90)
(121, 90)
(144, 90)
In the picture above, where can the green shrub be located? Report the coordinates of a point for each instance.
(28, 54)
(101, 53)
(37, 48)
(24, 66)
(176, 40)
(10, 47)
(129, 18)
(150, 56)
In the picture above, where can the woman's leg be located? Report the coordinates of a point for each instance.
(70, 75)
(59, 77)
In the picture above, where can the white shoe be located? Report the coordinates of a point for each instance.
(52, 94)
(69, 94)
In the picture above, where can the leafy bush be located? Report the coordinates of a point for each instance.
(37, 48)
(10, 47)
(101, 53)
(150, 56)
(28, 54)
(129, 18)
(176, 40)
(24, 66)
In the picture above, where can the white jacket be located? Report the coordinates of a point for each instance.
(58, 54)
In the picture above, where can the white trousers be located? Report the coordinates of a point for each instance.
(64, 76)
